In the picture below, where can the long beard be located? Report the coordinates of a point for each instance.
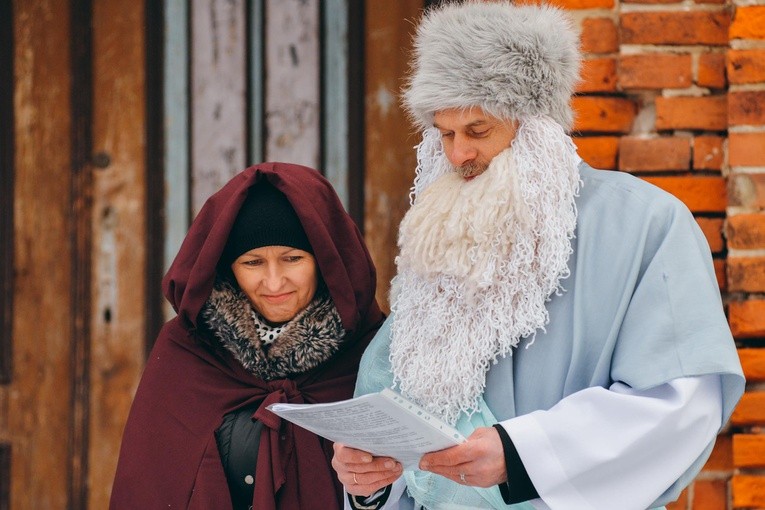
(478, 261)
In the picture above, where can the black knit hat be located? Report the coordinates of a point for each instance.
(266, 219)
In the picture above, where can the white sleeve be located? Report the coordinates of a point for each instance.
(617, 447)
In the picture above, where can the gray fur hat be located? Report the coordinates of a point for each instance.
(512, 61)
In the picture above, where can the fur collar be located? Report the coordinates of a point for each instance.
(312, 337)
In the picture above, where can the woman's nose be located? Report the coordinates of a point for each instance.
(274, 278)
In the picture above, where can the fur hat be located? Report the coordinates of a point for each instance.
(512, 61)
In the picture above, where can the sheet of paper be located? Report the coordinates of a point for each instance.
(376, 424)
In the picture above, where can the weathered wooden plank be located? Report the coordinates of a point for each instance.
(81, 241)
(176, 127)
(6, 190)
(256, 121)
(119, 219)
(292, 78)
(218, 95)
(390, 159)
(40, 394)
(5, 476)
(335, 78)
(157, 311)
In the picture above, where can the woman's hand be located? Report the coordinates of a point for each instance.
(363, 474)
(479, 461)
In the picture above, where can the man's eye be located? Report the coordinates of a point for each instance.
(479, 134)
(447, 135)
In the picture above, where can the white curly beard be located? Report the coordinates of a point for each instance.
(478, 261)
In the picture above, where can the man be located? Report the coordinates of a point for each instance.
(566, 319)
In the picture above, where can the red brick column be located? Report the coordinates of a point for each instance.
(745, 232)
(674, 92)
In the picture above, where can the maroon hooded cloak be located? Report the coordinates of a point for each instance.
(169, 457)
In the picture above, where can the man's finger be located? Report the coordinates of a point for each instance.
(449, 457)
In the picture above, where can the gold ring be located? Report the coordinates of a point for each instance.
(354, 479)
(462, 477)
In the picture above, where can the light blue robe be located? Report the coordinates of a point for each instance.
(641, 306)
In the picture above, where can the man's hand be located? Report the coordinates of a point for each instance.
(361, 473)
(480, 459)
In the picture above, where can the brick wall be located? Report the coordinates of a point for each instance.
(674, 92)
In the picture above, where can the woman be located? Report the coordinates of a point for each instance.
(274, 293)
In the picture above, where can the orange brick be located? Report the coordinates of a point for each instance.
(747, 190)
(708, 152)
(599, 35)
(700, 194)
(746, 107)
(598, 151)
(746, 232)
(748, 491)
(598, 75)
(711, 71)
(652, 2)
(702, 113)
(720, 272)
(582, 4)
(747, 319)
(746, 149)
(749, 450)
(753, 359)
(681, 503)
(710, 495)
(678, 27)
(746, 66)
(722, 455)
(654, 71)
(750, 409)
(719, 2)
(712, 228)
(603, 114)
(748, 23)
(652, 154)
(746, 274)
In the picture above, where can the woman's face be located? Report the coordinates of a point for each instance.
(279, 281)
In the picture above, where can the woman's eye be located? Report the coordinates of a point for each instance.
(253, 262)
(293, 258)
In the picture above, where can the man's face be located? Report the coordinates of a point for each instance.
(471, 138)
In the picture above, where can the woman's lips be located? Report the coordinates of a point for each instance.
(277, 298)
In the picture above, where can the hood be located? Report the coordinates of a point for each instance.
(338, 246)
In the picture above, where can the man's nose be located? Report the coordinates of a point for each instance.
(462, 151)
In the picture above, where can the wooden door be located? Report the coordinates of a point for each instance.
(74, 257)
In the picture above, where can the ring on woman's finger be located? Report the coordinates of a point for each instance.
(356, 482)
(462, 478)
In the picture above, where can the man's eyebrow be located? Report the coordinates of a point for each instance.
(478, 122)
